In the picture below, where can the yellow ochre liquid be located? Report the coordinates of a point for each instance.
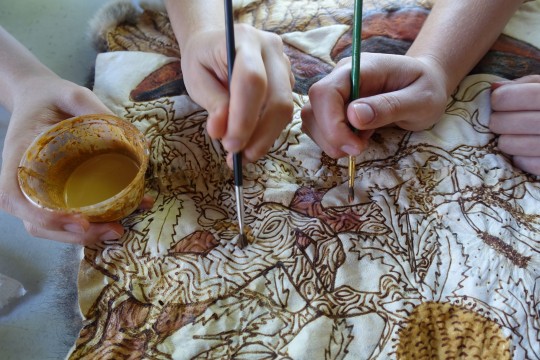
(98, 179)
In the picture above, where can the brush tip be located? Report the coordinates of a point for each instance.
(242, 241)
(351, 194)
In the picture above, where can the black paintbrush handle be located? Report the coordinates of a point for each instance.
(229, 31)
(231, 53)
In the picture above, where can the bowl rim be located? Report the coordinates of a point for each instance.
(143, 166)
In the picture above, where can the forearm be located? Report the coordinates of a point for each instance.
(457, 34)
(189, 16)
(17, 63)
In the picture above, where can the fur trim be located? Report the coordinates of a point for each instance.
(108, 17)
(156, 5)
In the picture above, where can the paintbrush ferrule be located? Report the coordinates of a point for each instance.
(239, 192)
(352, 171)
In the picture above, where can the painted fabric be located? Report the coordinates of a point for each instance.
(438, 257)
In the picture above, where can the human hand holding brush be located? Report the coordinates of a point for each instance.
(260, 103)
(409, 91)
(395, 90)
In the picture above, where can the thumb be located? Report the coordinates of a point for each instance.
(362, 115)
(376, 111)
(398, 108)
(80, 101)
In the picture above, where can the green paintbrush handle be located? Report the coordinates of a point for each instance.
(356, 49)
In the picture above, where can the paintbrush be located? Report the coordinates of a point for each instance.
(355, 81)
(237, 157)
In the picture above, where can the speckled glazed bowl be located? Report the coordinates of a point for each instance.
(52, 157)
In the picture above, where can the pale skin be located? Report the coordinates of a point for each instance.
(516, 118)
(37, 98)
(260, 104)
(408, 91)
(248, 120)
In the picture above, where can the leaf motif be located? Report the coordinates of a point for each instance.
(162, 225)
(276, 286)
(339, 341)
(471, 92)
(481, 208)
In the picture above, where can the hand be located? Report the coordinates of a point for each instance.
(394, 90)
(40, 102)
(260, 104)
(516, 118)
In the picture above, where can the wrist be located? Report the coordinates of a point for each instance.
(437, 70)
(18, 65)
(29, 85)
(191, 18)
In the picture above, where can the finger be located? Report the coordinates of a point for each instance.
(530, 164)
(96, 233)
(520, 145)
(334, 146)
(397, 90)
(277, 109)
(270, 126)
(518, 123)
(521, 80)
(399, 107)
(147, 202)
(362, 136)
(292, 80)
(14, 202)
(305, 113)
(248, 91)
(516, 97)
(324, 117)
(212, 94)
(528, 79)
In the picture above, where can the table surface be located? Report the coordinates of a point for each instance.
(44, 323)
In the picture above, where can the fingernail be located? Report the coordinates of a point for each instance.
(110, 235)
(74, 228)
(351, 150)
(147, 202)
(498, 84)
(232, 145)
(364, 113)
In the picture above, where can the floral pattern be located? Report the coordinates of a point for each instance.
(444, 233)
